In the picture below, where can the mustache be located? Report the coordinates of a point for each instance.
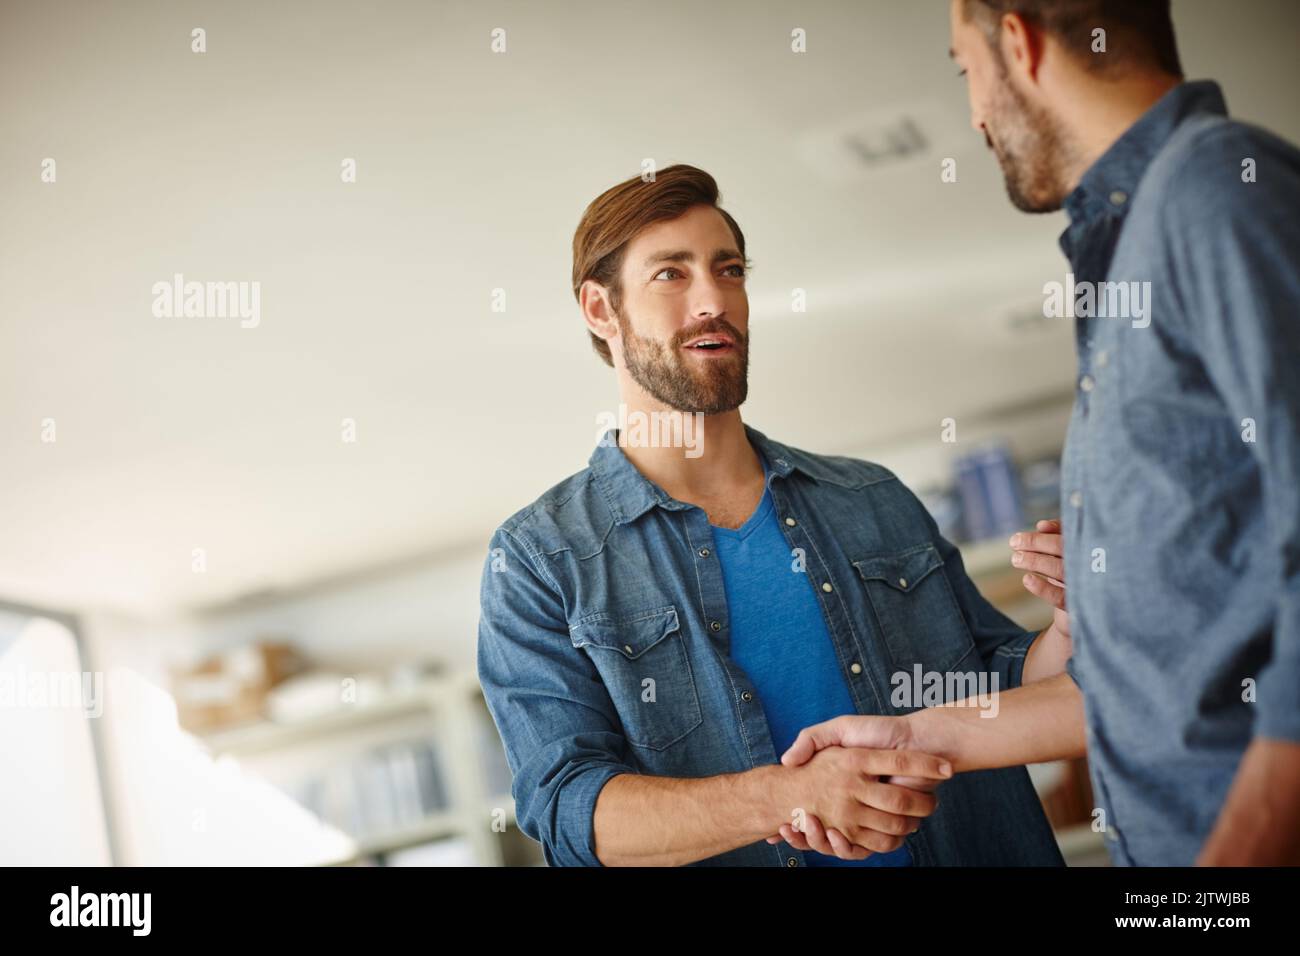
(707, 328)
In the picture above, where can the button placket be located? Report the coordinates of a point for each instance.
(838, 624)
(712, 594)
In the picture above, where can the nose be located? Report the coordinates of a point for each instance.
(707, 298)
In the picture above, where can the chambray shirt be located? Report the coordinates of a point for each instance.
(1181, 472)
(779, 639)
(604, 644)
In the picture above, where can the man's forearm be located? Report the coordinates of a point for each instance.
(670, 821)
(1046, 656)
(1034, 723)
(1259, 824)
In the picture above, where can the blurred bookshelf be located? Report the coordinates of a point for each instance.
(411, 776)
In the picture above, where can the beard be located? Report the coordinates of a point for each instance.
(1032, 150)
(710, 386)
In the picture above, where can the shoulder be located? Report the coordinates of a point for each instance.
(842, 470)
(1214, 166)
(565, 516)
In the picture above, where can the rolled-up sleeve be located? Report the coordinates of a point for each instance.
(562, 737)
(1236, 255)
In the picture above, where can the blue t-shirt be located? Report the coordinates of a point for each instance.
(779, 639)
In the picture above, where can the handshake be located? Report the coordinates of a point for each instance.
(857, 786)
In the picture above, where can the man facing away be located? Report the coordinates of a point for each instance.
(1181, 472)
(657, 628)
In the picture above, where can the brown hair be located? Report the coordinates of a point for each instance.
(620, 212)
(1143, 28)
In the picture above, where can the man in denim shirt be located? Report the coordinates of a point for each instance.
(659, 626)
(1181, 473)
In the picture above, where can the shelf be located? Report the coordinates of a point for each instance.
(438, 826)
(266, 735)
(450, 705)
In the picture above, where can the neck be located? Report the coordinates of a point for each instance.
(721, 457)
(1101, 111)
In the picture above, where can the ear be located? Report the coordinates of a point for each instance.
(1022, 47)
(596, 312)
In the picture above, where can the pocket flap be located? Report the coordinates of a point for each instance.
(631, 637)
(901, 571)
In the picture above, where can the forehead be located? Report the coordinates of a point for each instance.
(701, 226)
(960, 28)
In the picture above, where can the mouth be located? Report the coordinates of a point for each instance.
(710, 345)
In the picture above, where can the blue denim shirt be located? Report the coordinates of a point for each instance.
(606, 581)
(1181, 473)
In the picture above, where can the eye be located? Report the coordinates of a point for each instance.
(736, 271)
(962, 73)
(677, 275)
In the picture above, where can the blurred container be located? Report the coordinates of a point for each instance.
(989, 491)
(1041, 481)
(231, 688)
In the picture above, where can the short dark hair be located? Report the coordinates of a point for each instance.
(1138, 32)
(620, 212)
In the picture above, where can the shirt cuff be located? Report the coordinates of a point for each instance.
(575, 837)
(1277, 695)
(1009, 660)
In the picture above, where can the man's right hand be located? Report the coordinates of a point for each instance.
(837, 797)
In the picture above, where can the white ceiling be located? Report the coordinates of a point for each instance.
(175, 434)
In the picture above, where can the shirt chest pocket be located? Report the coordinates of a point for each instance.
(915, 609)
(643, 663)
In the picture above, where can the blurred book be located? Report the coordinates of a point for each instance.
(990, 494)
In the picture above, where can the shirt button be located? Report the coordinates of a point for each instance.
(826, 586)
(704, 552)
(790, 522)
(747, 697)
(1119, 197)
(1102, 358)
(1076, 499)
(855, 667)
(902, 582)
(715, 626)
(1086, 383)
(628, 648)
(792, 862)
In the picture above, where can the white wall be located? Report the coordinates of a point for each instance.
(50, 802)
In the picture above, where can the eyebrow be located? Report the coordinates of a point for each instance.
(685, 255)
(952, 54)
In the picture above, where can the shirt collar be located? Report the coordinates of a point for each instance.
(1113, 179)
(630, 494)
